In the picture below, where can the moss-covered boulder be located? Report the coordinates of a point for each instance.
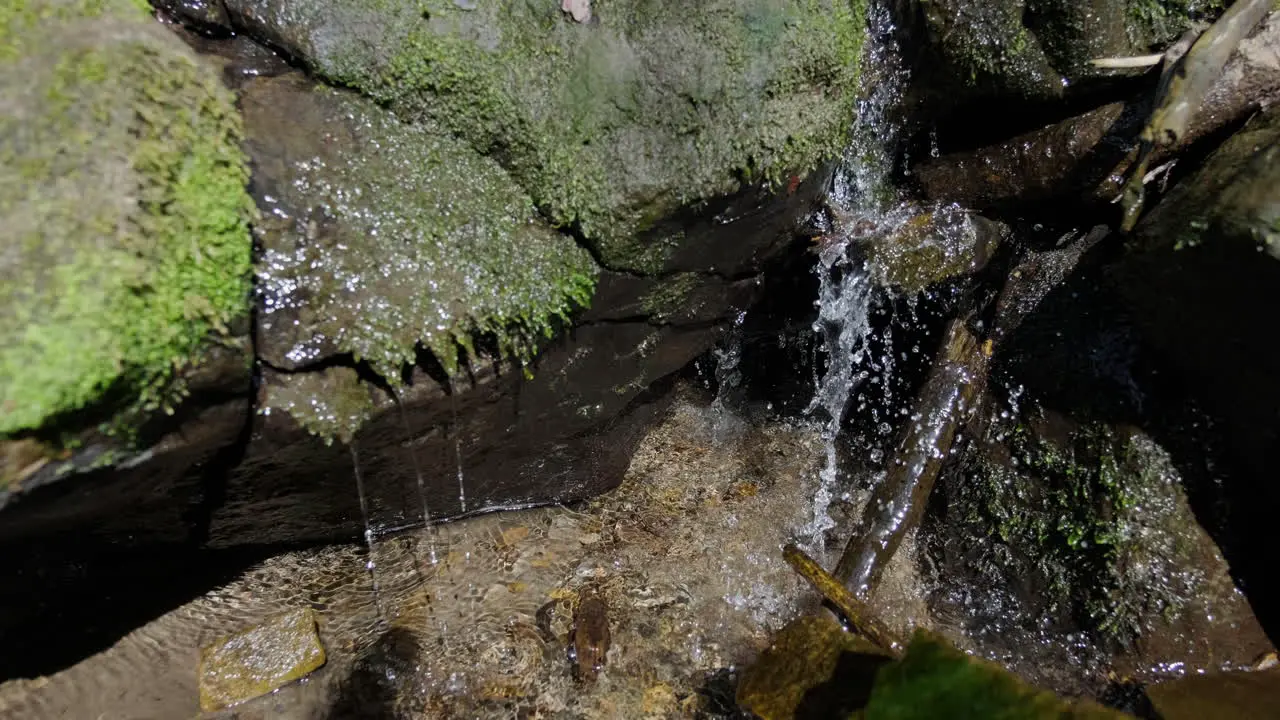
(122, 206)
(609, 126)
(380, 235)
(1084, 531)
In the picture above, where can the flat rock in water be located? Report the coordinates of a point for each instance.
(1235, 694)
(259, 660)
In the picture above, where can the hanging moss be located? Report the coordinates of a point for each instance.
(402, 236)
(123, 206)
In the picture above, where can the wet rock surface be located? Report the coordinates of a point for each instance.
(380, 237)
(1073, 159)
(1050, 530)
(1198, 281)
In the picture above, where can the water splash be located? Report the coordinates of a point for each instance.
(844, 298)
(726, 425)
(862, 202)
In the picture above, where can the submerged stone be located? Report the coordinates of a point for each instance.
(608, 126)
(259, 660)
(123, 209)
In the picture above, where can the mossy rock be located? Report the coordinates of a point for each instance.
(383, 236)
(814, 669)
(609, 126)
(123, 207)
(935, 680)
(1089, 520)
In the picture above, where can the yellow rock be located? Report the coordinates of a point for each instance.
(805, 655)
(259, 660)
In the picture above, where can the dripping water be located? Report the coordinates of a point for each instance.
(370, 565)
(428, 528)
(457, 448)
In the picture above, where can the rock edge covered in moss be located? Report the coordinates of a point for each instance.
(122, 195)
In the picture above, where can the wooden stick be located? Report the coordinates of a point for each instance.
(855, 612)
(898, 502)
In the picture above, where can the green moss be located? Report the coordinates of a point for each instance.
(124, 204)
(406, 237)
(1157, 22)
(332, 403)
(611, 126)
(936, 680)
(1091, 516)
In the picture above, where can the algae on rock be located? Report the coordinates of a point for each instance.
(609, 126)
(385, 235)
(123, 207)
(1094, 515)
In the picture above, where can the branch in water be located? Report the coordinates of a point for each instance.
(1183, 89)
(855, 612)
(959, 371)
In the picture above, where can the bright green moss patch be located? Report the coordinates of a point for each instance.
(935, 680)
(123, 207)
(612, 125)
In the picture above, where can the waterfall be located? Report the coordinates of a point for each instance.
(861, 201)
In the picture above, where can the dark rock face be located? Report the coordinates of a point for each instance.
(1071, 160)
(1200, 280)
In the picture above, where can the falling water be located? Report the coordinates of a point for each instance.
(725, 423)
(428, 528)
(368, 530)
(861, 201)
(457, 449)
